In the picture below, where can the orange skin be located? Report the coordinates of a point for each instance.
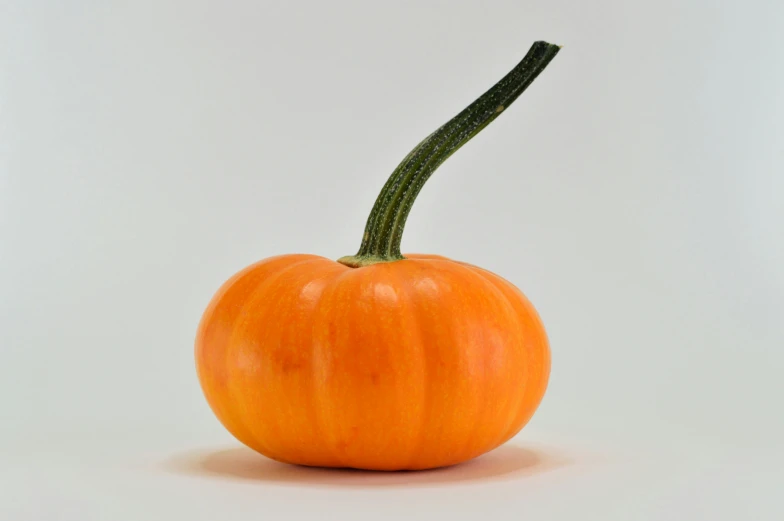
(413, 364)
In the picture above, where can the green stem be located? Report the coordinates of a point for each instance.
(384, 228)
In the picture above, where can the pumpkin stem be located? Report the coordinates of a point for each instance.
(384, 228)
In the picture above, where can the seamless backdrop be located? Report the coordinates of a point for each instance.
(150, 149)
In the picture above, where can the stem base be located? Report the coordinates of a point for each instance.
(360, 261)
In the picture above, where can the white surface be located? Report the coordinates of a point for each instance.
(140, 480)
(148, 150)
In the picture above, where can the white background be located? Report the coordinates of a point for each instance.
(150, 149)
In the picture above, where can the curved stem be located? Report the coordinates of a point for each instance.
(384, 228)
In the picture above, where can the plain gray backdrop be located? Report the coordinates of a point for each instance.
(150, 149)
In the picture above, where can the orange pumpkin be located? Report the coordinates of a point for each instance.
(379, 361)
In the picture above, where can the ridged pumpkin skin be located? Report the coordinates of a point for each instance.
(413, 364)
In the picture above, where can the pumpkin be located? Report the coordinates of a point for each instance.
(379, 360)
